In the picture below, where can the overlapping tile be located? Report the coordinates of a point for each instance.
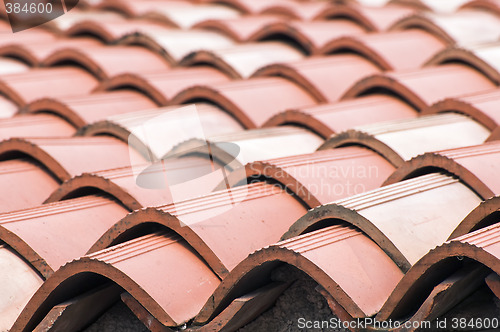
(378, 214)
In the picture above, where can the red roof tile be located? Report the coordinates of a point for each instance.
(162, 86)
(39, 125)
(395, 140)
(482, 107)
(426, 86)
(374, 18)
(102, 61)
(484, 215)
(251, 101)
(241, 61)
(87, 109)
(320, 177)
(476, 166)
(492, 6)
(424, 201)
(328, 119)
(396, 50)
(325, 78)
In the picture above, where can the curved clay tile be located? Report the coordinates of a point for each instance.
(465, 27)
(39, 125)
(484, 215)
(396, 50)
(25, 183)
(476, 166)
(147, 185)
(320, 177)
(187, 17)
(214, 224)
(105, 62)
(174, 45)
(482, 107)
(27, 37)
(16, 291)
(243, 60)
(239, 29)
(328, 119)
(483, 58)
(492, 6)
(421, 88)
(162, 86)
(66, 21)
(135, 9)
(309, 36)
(109, 32)
(155, 131)
(23, 88)
(395, 140)
(84, 110)
(326, 78)
(173, 294)
(251, 145)
(304, 11)
(45, 236)
(373, 18)
(449, 6)
(67, 157)
(324, 255)
(481, 246)
(34, 53)
(251, 101)
(390, 216)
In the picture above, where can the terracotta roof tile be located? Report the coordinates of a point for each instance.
(475, 166)
(39, 125)
(34, 53)
(322, 176)
(374, 18)
(44, 236)
(314, 74)
(251, 101)
(482, 107)
(87, 109)
(375, 213)
(425, 86)
(157, 141)
(175, 44)
(310, 36)
(328, 119)
(483, 58)
(134, 8)
(255, 144)
(102, 61)
(241, 61)
(239, 29)
(296, 9)
(173, 295)
(162, 86)
(19, 289)
(313, 254)
(396, 139)
(110, 32)
(484, 215)
(480, 246)
(492, 6)
(73, 17)
(186, 17)
(464, 27)
(440, 6)
(396, 50)
(23, 88)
